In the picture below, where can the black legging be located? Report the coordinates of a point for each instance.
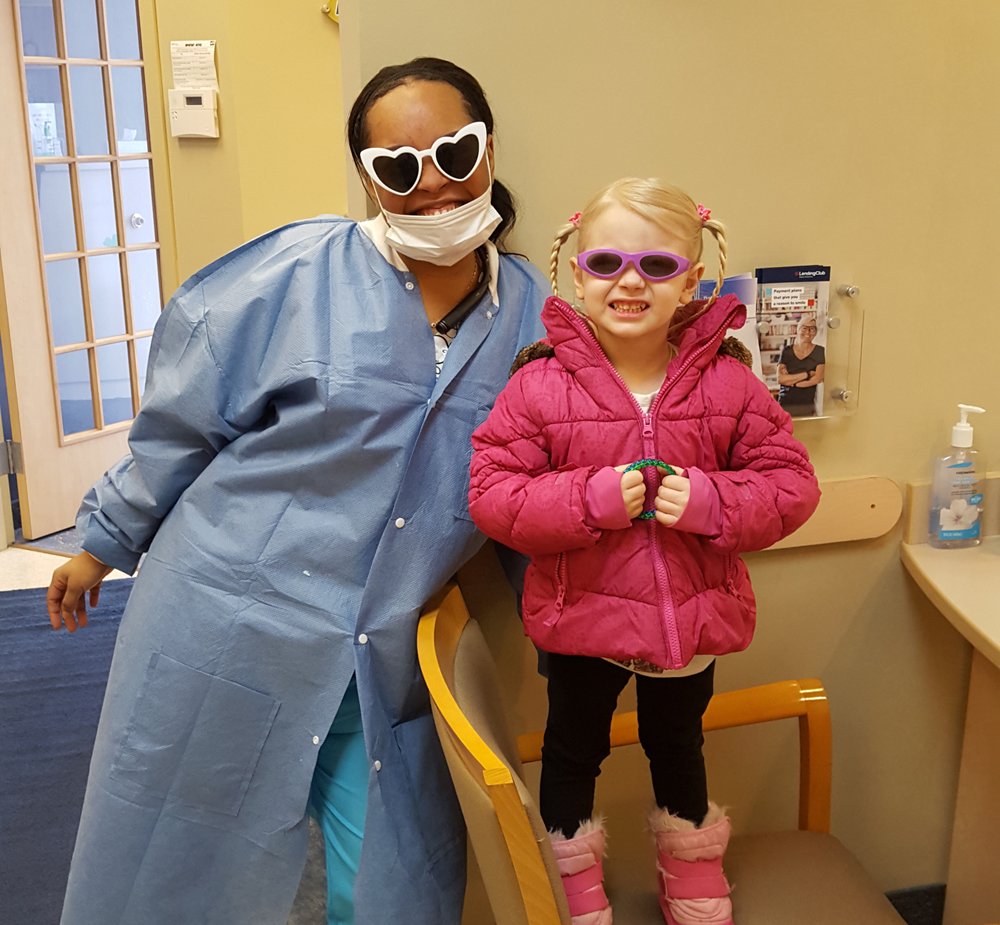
(583, 693)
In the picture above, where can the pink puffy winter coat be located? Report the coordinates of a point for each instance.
(637, 589)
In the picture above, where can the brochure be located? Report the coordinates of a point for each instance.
(744, 287)
(792, 306)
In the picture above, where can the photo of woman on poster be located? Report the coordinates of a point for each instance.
(801, 369)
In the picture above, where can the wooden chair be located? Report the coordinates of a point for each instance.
(803, 877)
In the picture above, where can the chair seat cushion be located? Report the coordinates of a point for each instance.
(790, 878)
(787, 878)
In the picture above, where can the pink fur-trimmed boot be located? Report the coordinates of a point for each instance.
(581, 868)
(693, 889)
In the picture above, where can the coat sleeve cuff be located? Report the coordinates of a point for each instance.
(703, 513)
(604, 506)
(100, 544)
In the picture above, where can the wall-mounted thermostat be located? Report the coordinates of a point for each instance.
(194, 112)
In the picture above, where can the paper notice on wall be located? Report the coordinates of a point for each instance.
(193, 64)
(45, 141)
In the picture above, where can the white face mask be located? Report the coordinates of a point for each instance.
(447, 237)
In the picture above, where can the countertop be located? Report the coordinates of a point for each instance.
(964, 584)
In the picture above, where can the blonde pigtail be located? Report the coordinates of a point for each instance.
(718, 231)
(561, 237)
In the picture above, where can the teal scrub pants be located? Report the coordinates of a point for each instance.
(337, 801)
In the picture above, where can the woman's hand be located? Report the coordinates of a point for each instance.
(67, 595)
(633, 490)
(672, 497)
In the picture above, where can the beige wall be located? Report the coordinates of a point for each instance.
(279, 156)
(856, 134)
(861, 135)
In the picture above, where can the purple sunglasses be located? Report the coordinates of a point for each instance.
(656, 266)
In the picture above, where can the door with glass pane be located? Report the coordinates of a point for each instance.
(80, 244)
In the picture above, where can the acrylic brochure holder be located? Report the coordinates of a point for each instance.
(853, 508)
(797, 316)
(785, 312)
(787, 300)
(845, 327)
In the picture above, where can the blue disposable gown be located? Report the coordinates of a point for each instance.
(297, 479)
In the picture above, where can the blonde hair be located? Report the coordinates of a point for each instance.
(652, 199)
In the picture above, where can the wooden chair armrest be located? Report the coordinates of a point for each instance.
(804, 699)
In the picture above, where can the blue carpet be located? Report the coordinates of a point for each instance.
(51, 689)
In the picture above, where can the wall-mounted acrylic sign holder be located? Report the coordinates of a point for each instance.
(799, 309)
(845, 328)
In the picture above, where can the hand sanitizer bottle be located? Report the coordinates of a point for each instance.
(957, 490)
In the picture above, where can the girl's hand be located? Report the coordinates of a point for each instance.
(633, 491)
(672, 497)
(67, 597)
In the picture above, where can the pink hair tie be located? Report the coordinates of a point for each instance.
(574, 219)
(703, 213)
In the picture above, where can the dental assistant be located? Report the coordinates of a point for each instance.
(297, 480)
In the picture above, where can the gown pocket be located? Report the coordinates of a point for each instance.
(193, 738)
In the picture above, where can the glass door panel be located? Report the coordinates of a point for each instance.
(90, 120)
(137, 202)
(144, 286)
(55, 208)
(93, 181)
(107, 307)
(75, 393)
(38, 29)
(123, 29)
(116, 383)
(81, 29)
(46, 113)
(130, 110)
(65, 302)
(98, 198)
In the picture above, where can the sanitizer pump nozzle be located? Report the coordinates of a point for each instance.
(961, 433)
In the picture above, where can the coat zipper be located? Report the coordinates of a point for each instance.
(665, 597)
(561, 593)
(659, 561)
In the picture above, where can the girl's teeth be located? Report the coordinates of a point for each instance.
(630, 308)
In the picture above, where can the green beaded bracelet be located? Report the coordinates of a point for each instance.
(649, 464)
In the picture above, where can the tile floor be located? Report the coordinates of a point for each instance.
(31, 568)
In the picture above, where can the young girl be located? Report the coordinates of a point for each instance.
(633, 460)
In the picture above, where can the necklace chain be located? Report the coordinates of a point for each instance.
(477, 272)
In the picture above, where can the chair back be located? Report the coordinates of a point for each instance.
(505, 829)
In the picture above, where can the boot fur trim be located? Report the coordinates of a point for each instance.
(662, 821)
(587, 827)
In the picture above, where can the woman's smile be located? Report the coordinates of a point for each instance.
(436, 208)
